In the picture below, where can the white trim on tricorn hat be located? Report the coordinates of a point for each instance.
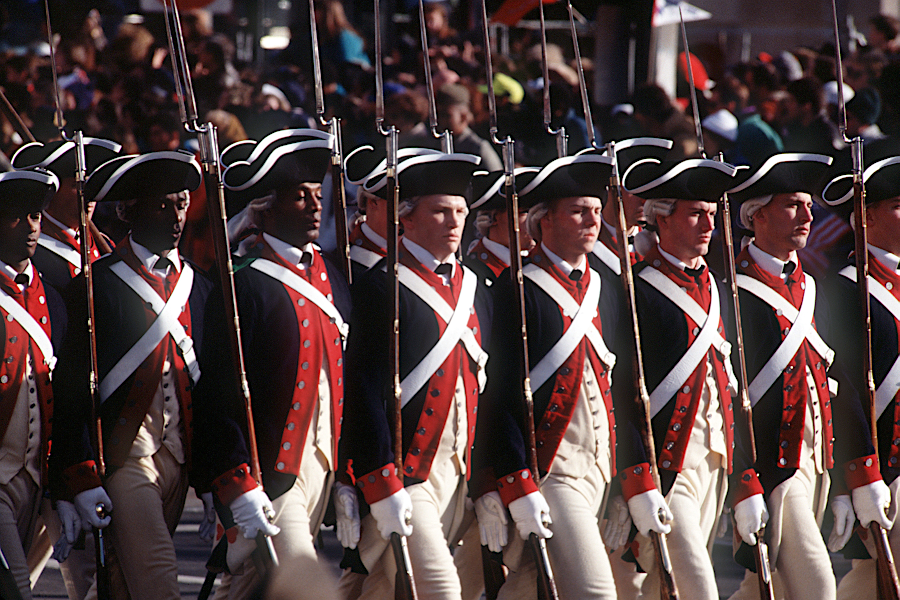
(23, 185)
(782, 184)
(552, 171)
(251, 150)
(261, 170)
(367, 156)
(870, 172)
(114, 172)
(495, 189)
(50, 156)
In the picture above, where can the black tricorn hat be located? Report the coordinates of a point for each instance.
(427, 174)
(881, 179)
(59, 156)
(488, 190)
(365, 163)
(784, 173)
(566, 177)
(153, 174)
(30, 189)
(632, 150)
(252, 151)
(278, 165)
(688, 179)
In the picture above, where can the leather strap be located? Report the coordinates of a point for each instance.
(30, 325)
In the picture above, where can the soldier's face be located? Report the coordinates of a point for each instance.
(571, 226)
(159, 222)
(436, 224)
(296, 215)
(883, 224)
(686, 233)
(782, 226)
(19, 232)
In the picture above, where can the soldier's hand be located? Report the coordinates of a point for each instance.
(844, 518)
(393, 514)
(618, 523)
(871, 503)
(251, 512)
(94, 508)
(492, 521)
(71, 522)
(650, 512)
(346, 507)
(750, 515)
(532, 515)
(208, 522)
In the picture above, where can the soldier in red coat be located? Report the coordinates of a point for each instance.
(33, 321)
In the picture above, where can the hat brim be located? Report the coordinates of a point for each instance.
(488, 189)
(252, 151)
(150, 175)
(27, 190)
(567, 177)
(429, 174)
(689, 179)
(59, 156)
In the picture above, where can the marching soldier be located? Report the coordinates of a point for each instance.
(58, 256)
(489, 255)
(149, 305)
(294, 307)
(800, 430)
(575, 424)
(883, 230)
(680, 307)
(32, 325)
(441, 371)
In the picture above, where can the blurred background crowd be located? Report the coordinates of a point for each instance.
(117, 83)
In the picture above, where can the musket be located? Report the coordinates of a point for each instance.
(888, 586)
(338, 191)
(446, 138)
(760, 550)
(546, 582)
(562, 140)
(215, 202)
(96, 431)
(405, 584)
(9, 112)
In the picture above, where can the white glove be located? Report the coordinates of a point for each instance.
(250, 512)
(618, 523)
(844, 518)
(71, 527)
(750, 515)
(532, 515)
(871, 502)
(346, 508)
(650, 512)
(393, 514)
(87, 503)
(208, 522)
(492, 521)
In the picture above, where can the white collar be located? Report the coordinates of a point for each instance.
(677, 261)
(427, 258)
(291, 254)
(565, 267)
(888, 259)
(498, 250)
(774, 266)
(148, 259)
(60, 224)
(373, 237)
(12, 273)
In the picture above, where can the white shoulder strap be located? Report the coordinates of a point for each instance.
(608, 257)
(708, 336)
(62, 250)
(28, 323)
(166, 322)
(364, 256)
(304, 288)
(457, 330)
(891, 383)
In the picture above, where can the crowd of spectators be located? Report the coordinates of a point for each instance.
(117, 83)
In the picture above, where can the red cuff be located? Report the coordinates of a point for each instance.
(747, 485)
(81, 477)
(233, 483)
(861, 471)
(380, 483)
(516, 485)
(636, 480)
